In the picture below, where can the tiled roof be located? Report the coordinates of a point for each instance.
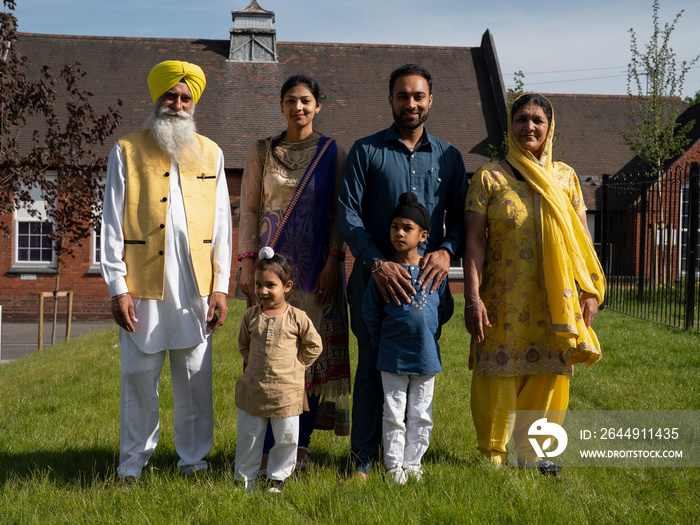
(241, 101)
(590, 129)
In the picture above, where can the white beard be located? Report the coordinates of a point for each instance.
(174, 132)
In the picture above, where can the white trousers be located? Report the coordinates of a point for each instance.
(249, 447)
(408, 419)
(190, 369)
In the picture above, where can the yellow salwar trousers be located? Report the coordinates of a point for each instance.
(492, 398)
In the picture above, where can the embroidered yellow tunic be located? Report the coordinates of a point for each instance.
(519, 341)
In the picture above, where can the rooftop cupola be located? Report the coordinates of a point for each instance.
(252, 35)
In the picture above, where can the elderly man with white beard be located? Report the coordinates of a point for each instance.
(166, 259)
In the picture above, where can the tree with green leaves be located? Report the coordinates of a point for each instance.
(695, 99)
(654, 84)
(56, 155)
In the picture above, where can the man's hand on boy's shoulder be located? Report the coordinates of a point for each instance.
(435, 266)
(393, 281)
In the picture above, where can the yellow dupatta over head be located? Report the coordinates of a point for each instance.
(567, 253)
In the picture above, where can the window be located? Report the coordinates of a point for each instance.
(95, 252)
(33, 242)
(685, 230)
(95, 247)
(33, 246)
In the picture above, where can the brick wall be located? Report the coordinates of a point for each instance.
(19, 297)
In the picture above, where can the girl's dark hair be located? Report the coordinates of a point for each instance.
(303, 80)
(535, 98)
(278, 264)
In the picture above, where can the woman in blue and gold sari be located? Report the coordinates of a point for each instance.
(288, 199)
(528, 251)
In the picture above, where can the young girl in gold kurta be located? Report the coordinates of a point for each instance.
(278, 342)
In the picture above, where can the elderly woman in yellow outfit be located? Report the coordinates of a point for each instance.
(528, 251)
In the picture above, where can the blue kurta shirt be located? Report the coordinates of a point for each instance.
(407, 335)
(381, 167)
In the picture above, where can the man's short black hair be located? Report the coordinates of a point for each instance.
(410, 69)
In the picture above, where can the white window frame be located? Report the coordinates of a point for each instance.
(21, 216)
(94, 238)
(94, 250)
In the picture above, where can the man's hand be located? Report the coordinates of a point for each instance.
(435, 266)
(123, 312)
(393, 280)
(589, 307)
(217, 302)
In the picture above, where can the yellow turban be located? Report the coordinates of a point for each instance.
(165, 75)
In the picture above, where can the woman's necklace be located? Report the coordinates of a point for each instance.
(281, 140)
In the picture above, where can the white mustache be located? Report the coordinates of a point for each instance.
(173, 112)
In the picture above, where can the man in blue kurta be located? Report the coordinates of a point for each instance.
(379, 168)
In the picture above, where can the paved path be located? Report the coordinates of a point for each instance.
(21, 338)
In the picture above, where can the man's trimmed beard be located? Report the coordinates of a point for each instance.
(400, 120)
(174, 132)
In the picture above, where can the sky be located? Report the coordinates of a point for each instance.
(561, 46)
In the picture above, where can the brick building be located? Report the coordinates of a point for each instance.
(241, 105)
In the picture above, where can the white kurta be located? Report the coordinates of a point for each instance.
(179, 320)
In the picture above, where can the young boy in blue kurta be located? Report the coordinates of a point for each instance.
(408, 355)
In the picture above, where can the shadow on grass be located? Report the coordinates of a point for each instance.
(84, 466)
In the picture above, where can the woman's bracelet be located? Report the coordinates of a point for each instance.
(472, 305)
(119, 296)
(252, 255)
(377, 268)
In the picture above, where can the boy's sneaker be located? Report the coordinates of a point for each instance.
(276, 486)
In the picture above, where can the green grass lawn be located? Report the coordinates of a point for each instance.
(59, 427)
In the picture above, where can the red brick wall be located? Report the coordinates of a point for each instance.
(19, 298)
(691, 155)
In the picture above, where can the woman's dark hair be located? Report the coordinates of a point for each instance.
(303, 80)
(410, 69)
(278, 264)
(535, 98)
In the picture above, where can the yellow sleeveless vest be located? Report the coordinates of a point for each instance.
(145, 212)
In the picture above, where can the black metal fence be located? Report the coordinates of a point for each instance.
(650, 247)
